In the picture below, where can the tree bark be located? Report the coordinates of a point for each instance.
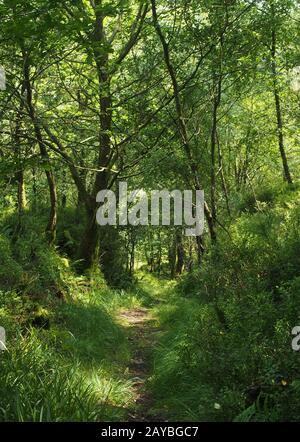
(21, 193)
(90, 241)
(181, 122)
(180, 253)
(286, 171)
(223, 180)
(52, 220)
(200, 249)
(217, 83)
(172, 257)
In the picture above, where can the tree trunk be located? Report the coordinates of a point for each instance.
(216, 103)
(89, 244)
(286, 171)
(131, 250)
(181, 122)
(172, 258)
(223, 180)
(200, 249)
(88, 252)
(52, 220)
(20, 173)
(180, 253)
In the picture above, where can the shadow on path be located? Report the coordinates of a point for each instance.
(143, 333)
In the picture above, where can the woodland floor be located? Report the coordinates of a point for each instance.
(142, 331)
(143, 334)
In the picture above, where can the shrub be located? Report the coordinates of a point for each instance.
(10, 270)
(229, 339)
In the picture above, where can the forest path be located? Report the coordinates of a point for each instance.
(142, 333)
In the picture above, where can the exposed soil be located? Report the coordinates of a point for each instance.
(142, 339)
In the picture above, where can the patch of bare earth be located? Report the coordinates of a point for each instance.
(142, 338)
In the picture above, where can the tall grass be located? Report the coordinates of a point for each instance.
(75, 371)
(226, 353)
(37, 385)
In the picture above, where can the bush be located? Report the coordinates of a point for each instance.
(70, 229)
(262, 199)
(10, 270)
(228, 350)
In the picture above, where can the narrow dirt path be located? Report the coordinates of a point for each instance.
(142, 337)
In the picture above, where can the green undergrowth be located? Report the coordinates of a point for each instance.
(71, 367)
(67, 353)
(222, 346)
(226, 352)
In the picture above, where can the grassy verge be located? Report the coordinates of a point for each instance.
(226, 352)
(72, 367)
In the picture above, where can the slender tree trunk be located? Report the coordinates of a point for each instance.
(21, 193)
(81, 194)
(286, 171)
(180, 253)
(200, 249)
(34, 189)
(132, 243)
(216, 102)
(223, 180)
(172, 257)
(181, 122)
(158, 256)
(189, 259)
(64, 190)
(22, 202)
(52, 220)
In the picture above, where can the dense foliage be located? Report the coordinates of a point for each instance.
(185, 94)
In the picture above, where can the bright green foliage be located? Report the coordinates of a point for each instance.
(73, 371)
(185, 94)
(230, 330)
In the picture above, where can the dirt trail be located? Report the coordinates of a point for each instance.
(142, 339)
